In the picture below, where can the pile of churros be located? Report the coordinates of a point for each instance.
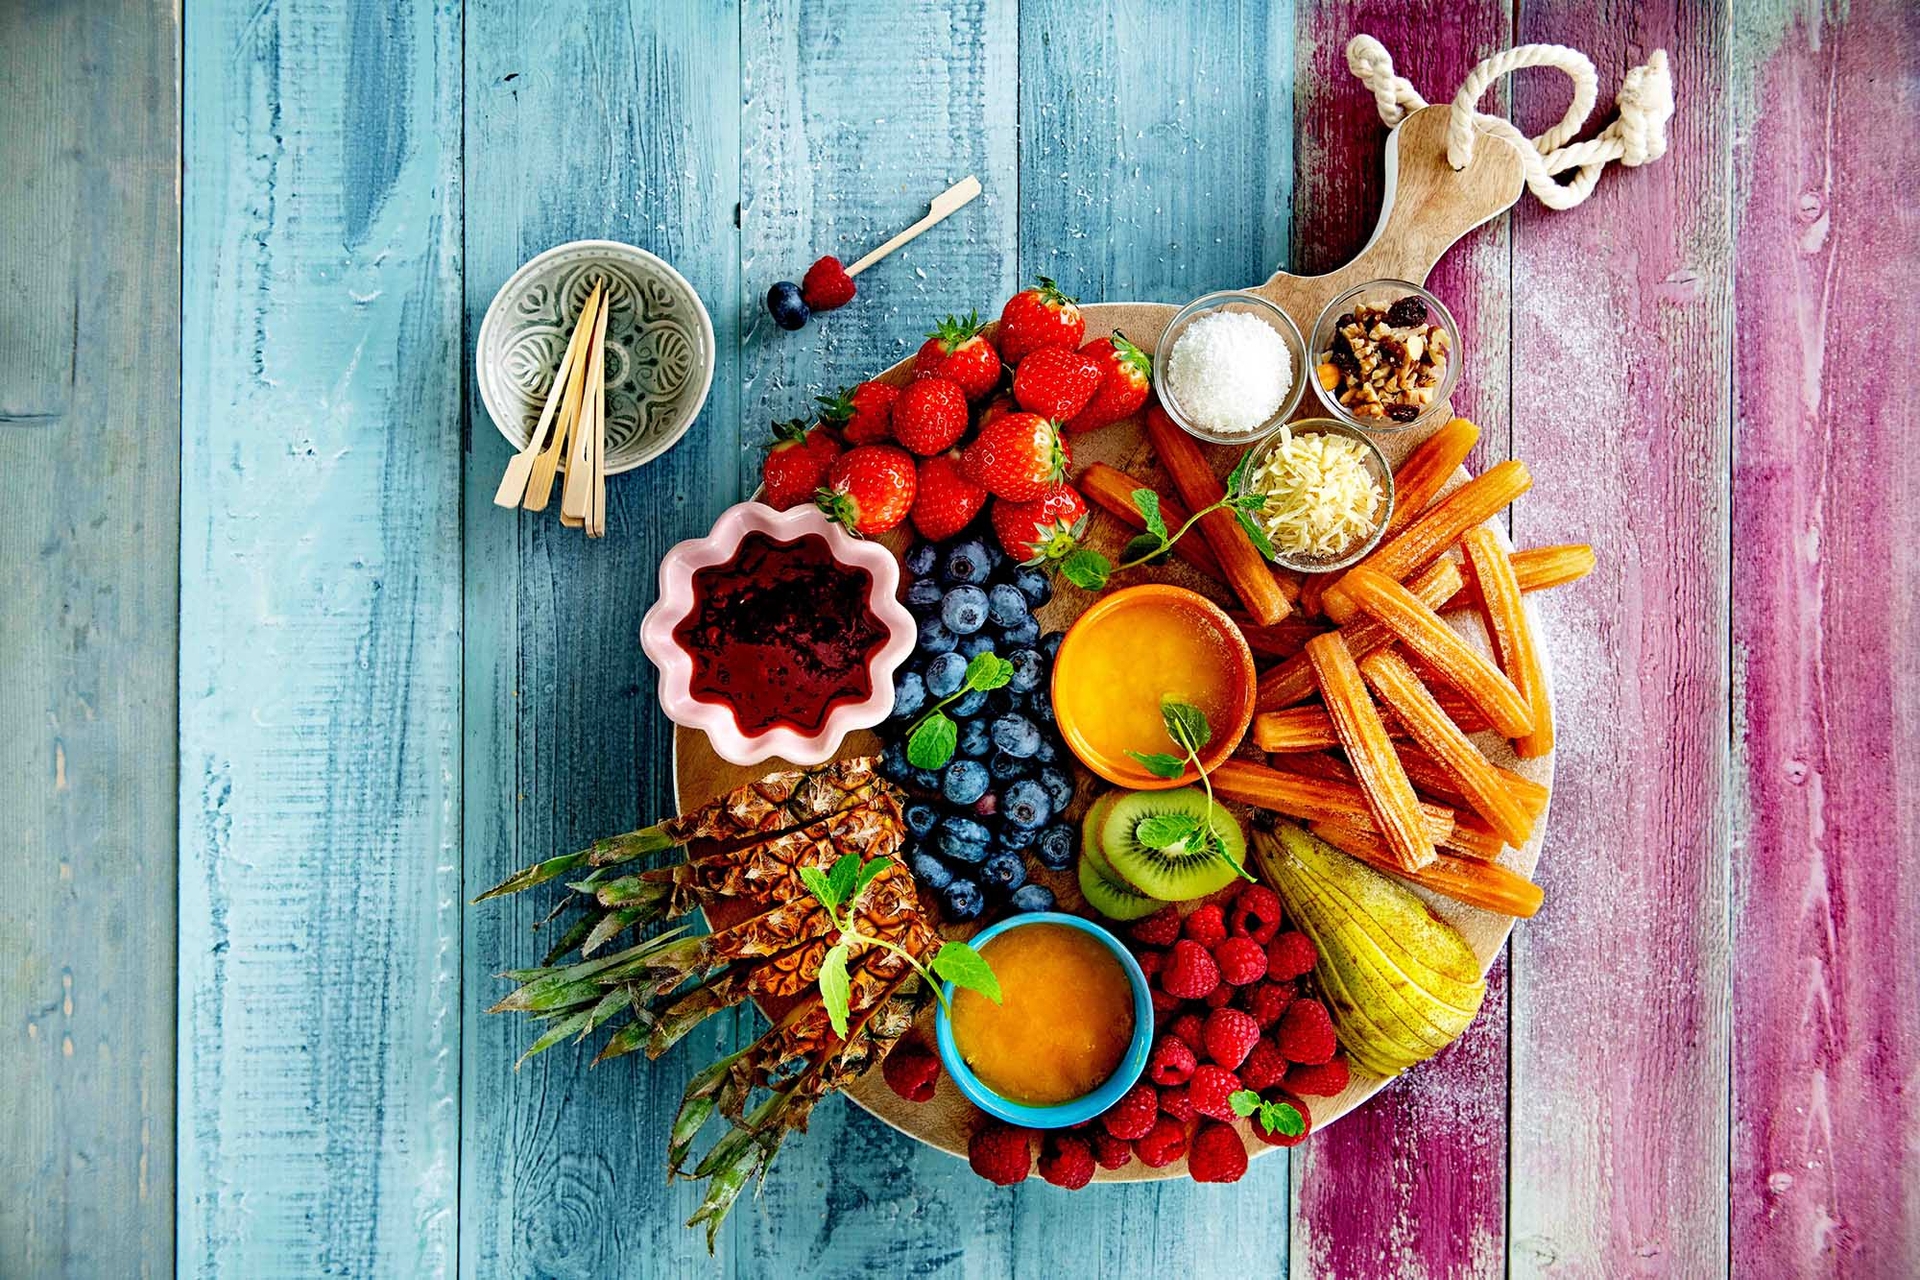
(1370, 693)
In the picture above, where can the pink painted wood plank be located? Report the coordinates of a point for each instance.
(1415, 1182)
(1827, 649)
(1621, 407)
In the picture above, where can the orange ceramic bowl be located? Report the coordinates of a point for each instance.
(1130, 651)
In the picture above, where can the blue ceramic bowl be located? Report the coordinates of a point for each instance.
(1062, 1114)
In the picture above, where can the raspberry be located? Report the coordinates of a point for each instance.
(1206, 925)
(1231, 1036)
(1221, 996)
(1255, 914)
(1190, 972)
(1323, 1080)
(1066, 1160)
(1277, 1137)
(1190, 1029)
(1150, 962)
(1110, 1152)
(1158, 929)
(1218, 1154)
(1161, 1145)
(1176, 1103)
(1133, 1115)
(1264, 1067)
(1210, 1088)
(1001, 1153)
(1290, 955)
(911, 1072)
(1242, 961)
(1305, 1033)
(1164, 1005)
(1172, 1062)
(1268, 1001)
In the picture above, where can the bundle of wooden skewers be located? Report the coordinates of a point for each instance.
(572, 431)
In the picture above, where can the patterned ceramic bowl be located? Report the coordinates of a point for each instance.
(659, 346)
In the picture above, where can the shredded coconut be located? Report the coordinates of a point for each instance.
(1229, 371)
(1321, 499)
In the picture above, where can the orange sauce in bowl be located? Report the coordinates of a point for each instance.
(1064, 1023)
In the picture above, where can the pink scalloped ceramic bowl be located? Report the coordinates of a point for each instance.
(675, 664)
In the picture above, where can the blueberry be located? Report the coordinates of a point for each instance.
(1025, 804)
(997, 555)
(783, 301)
(1006, 606)
(1043, 710)
(968, 562)
(909, 694)
(921, 559)
(1050, 642)
(1048, 753)
(1056, 847)
(1005, 768)
(975, 645)
(1022, 636)
(925, 779)
(1016, 735)
(1036, 586)
(962, 839)
(924, 597)
(1004, 702)
(935, 638)
(975, 739)
(921, 818)
(1003, 872)
(968, 705)
(893, 763)
(1029, 668)
(930, 871)
(1059, 789)
(945, 674)
(964, 781)
(964, 610)
(961, 901)
(1032, 897)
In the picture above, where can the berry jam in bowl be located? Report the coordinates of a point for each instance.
(777, 634)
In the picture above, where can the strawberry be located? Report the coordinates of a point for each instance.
(1045, 529)
(869, 489)
(958, 351)
(797, 462)
(1056, 384)
(998, 407)
(826, 285)
(930, 416)
(1039, 317)
(944, 500)
(864, 415)
(1016, 456)
(1126, 375)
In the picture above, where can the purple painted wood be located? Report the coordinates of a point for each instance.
(1826, 651)
(1621, 403)
(1415, 1182)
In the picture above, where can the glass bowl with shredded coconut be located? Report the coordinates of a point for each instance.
(1230, 367)
(1329, 494)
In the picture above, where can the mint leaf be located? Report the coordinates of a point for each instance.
(1165, 830)
(1255, 533)
(835, 988)
(988, 671)
(1237, 478)
(820, 887)
(844, 876)
(932, 742)
(961, 965)
(1086, 569)
(1186, 723)
(1143, 547)
(1243, 1101)
(867, 874)
(1148, 503)
(1282, 1118)
(1160, 764)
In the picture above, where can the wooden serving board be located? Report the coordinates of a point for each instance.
(1427, 208)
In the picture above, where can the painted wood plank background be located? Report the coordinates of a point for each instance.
(1699, 1058)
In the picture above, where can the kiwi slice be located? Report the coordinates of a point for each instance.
(1104, 891)
(1184, 869)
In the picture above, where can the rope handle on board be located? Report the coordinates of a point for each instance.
(1636, 137)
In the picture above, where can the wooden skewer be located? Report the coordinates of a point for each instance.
(540, 487)
(597, 491)
(573, 496)
(513, 484)
(954, 197)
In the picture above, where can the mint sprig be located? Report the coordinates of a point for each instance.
(1282, 1118)
(1187, 725)
(1090, 570)
(931, 741)
(838, 891)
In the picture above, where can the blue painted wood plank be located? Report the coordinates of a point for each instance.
(633, 112)
(320, 657)
(89, 493)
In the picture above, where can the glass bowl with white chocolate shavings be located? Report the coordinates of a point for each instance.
(1329, 494)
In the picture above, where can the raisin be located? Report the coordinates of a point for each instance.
(1343, 359)
(1403, 412)
(1345, 320)
(1408, 312)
